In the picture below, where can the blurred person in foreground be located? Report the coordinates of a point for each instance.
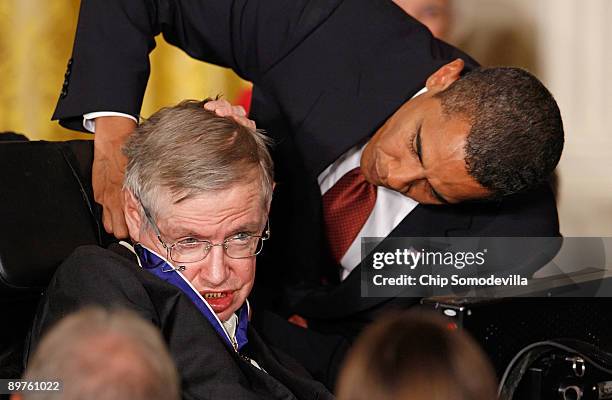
(100, 354)
(197, 194)
(414, 356)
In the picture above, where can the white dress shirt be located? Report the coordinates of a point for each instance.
(89, 119)
(230, 327)
(390, 208)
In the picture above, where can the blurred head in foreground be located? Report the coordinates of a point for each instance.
(414, 356)
(98, 354)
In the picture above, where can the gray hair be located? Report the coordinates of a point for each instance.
(104, 354)
(191, 151)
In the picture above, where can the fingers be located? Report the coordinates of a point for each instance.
(112, 216)
(249, 123)
(107, 171)
(224, 108)
(107, 192)
(114, 223)
(120, 230)
(107, 220)
(214, 104)
(227, 110)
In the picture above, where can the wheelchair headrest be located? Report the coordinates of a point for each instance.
(46, 209)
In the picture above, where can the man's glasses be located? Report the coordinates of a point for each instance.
(189, 250)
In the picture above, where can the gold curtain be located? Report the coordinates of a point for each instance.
(36, 39)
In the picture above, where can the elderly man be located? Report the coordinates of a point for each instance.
(197, 194)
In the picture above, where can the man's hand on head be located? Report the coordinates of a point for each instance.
(223, 108)
(108, 170)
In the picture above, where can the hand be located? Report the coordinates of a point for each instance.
(223, 108)
(108, 170)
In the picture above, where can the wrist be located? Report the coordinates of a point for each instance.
(112, 132)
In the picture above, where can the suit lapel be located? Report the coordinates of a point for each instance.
(433, 221)
(280, 380)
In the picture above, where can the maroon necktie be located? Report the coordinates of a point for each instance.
(346, 207)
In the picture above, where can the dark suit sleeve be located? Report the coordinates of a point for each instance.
(315, 41)
(529, 214)
(109, 68)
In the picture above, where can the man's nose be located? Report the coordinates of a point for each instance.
(402, 174)
(215, 271)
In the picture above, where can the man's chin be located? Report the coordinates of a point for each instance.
(223, 305)
(225, 314)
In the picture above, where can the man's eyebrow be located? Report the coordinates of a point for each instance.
(247, 228)
(185, 233)
(180, 232)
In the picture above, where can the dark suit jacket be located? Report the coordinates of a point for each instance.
(93, 275)
(327, 74)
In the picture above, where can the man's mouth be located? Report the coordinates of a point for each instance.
(219, 301)
(216, 295)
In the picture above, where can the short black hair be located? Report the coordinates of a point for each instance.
(516, 135)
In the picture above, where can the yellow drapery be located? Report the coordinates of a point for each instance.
(36, 39)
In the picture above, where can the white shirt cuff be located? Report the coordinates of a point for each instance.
(89, 119)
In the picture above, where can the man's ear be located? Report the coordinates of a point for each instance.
(273, 187)
(447, 74)
(132, 211)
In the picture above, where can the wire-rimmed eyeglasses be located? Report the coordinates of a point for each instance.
(189, 250)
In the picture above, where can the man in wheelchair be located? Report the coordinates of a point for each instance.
(197, 195)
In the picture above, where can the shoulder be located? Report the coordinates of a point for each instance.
(533, 213)
(94, 274)
(86, 260)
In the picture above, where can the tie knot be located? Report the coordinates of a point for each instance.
(354, 176)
